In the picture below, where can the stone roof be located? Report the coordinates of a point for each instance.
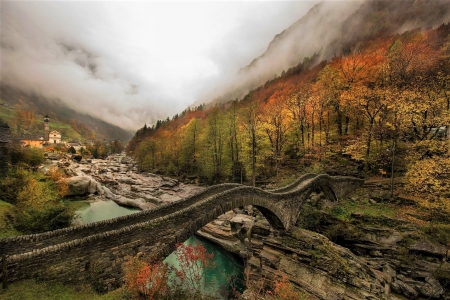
(28, 137)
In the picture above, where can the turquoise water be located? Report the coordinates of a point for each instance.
(101, 210)
(226, 273)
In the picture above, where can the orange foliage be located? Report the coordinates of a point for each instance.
(380, 91)
(148, 279)
(60, 179)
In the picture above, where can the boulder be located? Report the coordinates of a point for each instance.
(428, 248)
(83, 185)
(432, 288)
(241, 226)
(134, 203)
(77, 157)
(401, 287)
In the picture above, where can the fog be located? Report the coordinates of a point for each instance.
(130, 63)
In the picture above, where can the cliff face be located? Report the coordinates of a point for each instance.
(313, 264)
(329, 271)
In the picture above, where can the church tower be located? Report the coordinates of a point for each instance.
(46, 128)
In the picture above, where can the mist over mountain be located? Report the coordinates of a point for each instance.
(329, 29)
(87, 126)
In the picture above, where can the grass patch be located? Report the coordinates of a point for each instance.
(346, 207)
(6, 228)
(58, 125)
(438, 232)
(29, 289)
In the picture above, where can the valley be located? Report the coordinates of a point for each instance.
(292, 150)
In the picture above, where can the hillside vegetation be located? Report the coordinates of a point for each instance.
(24, 112)
(385, 105)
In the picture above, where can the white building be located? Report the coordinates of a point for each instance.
(54, 137)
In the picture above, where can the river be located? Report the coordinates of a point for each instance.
(226, 274)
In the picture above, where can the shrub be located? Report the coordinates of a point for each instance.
(151, 279)
(147, 279)
(37, 200)
(30, 220)
(31, 157)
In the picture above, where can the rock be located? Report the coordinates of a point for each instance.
(389, 271)
(69, 172)
(107, 192)
(371, 201)
(428, 248)
(54, 156)
(401, 287)
(135, 203)
(322, 268)
(126, 180)
(357, 215)
(241, 226)
(432, 288)
(169, 182)
(380, 196)
(63, 164)
(261, 227)
(151, 199)
(376, 253)
(77, 157)
(169, 198)
(82, 185)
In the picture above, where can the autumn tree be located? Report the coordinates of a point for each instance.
(190, 148)
(276, 125)
(214, 141)
(251, 124)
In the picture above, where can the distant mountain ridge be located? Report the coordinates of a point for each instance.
(333, 28)
(369, 19)
(86, 126)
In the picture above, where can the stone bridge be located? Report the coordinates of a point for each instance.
(96, 252)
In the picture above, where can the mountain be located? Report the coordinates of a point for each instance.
(330, 29)
(72, 124)
(380, 89)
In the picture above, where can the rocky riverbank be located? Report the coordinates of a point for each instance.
(117, 178)
(366, 257)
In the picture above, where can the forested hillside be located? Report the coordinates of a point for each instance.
(333, 28)
(24, 113)
(385, 104)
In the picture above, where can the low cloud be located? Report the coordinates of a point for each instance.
(130, 63)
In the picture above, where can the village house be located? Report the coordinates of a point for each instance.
(50, 137)
(54, 137)
(75, 144)
(29, 141)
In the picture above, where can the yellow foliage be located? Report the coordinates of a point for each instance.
(431, 178)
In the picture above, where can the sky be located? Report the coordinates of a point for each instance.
(131, 63)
